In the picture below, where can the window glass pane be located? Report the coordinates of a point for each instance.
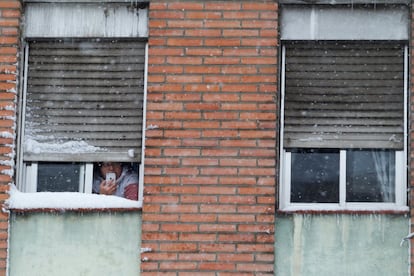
(370, 176)
(315, 176)
(58, 177)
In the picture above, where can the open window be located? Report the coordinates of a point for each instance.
(83, 98)
(344, 111)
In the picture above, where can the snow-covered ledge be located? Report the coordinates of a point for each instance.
(49, 201)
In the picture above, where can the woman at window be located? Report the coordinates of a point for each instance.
(124, 184)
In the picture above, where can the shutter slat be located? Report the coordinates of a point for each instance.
(83, 90)
(342, 98)
(99, 114)
(304, 107)
(86, 82)
(343, 90)
(85, 67)
(344, 114)
(89, 91)
(320, 121)
(91, 44)
(86, 97)
(344, 95)
(81, 75)
(87, 120)
(90, 137)
(357, 75)
(108, 105)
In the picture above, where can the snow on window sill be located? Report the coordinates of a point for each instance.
(67, 201)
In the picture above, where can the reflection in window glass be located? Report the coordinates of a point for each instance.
(315, 176)
(58, 177)
(370, 176)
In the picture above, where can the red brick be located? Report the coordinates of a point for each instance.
(199, 143)
(198, 199)
(10, 4)
(182, 97)
(222, 6)
(202, 125)
(178, 247)
(179, 209)
(182, 115)
(178, 265)
(185, 6)
(166, 14)
(235, 257)
(185, 23)
(8, 40)
(197, 237)
(238, 180)
(222, 42)
(204, 15)
(219, 208)
(179, 190)
(253, 267)
(198, 218)
(159, 236)
(184, 60)
(236, 218)
(9, 22)
(179, 227)
(205, 51)
(199, 180)
(11, 13)
(217, 247)
(217, 228)
(197, 257)
(202, 70)
(184, 78)
(216, 266)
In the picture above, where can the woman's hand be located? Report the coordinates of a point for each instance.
(107, 188)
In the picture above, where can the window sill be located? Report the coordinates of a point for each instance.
(60, 202)
(353, 209)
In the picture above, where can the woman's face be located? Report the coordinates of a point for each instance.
(111, 167)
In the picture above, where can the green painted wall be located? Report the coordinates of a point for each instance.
(75, 244)
(341, 245)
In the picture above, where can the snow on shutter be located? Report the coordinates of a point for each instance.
(344, 95)
(84, 100)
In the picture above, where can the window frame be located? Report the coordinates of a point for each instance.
(26, 177)
(30, 171)
(400, 203)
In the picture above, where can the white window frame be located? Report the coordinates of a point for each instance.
(136, 27)
(27, 173)
(400, 203)
(30, 172)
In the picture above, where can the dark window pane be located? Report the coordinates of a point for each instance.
(370, 176)
(58, 177)
(315, 176)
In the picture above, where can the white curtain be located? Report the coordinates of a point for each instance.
(384, 174)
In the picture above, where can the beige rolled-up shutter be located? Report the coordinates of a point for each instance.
(84, 100)
(344, 95)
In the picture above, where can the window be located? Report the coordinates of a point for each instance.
(343, 140)
(83, 99)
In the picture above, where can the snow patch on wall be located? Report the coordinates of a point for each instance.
(6, 134)
(66, 201)
(9, 172)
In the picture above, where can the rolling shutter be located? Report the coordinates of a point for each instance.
(84, 100)
(344, 95)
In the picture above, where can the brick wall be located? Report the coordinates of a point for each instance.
(10, 12)
(211, 139)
